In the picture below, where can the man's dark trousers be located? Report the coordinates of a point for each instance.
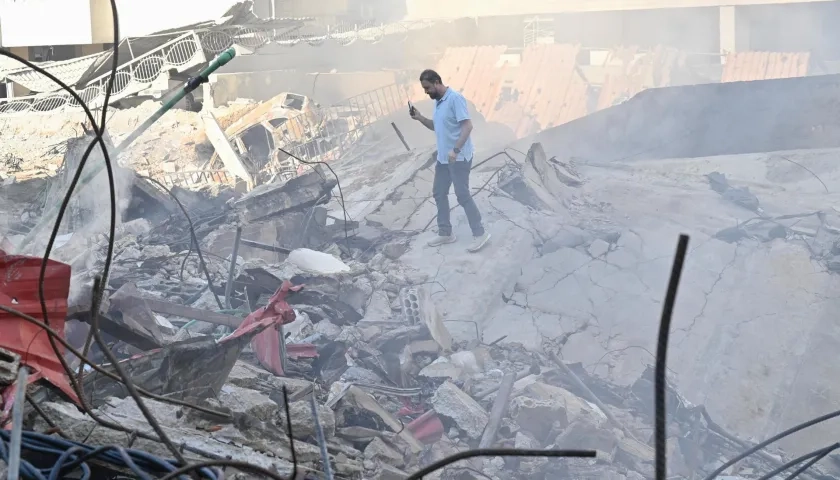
(457, 173)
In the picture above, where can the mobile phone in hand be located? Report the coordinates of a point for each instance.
(411, 110)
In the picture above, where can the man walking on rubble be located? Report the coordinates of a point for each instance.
(452, 126)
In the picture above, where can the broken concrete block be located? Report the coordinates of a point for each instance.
(537, 416)
(387, 472)
(635, 451)
(303, 423)
(243, 375)
(525, 441)
(451, 402)
(470, 361)
(250, 402)
(317, 262)
(441, 368)
(9, 365)
(276, 199)
(583, 435)
(328, 329)
(395, 250)
(576, 407)
(598, 248)
(431, 317)
(529, 465)
(379, 451)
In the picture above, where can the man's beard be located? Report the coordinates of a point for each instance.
(434, 96)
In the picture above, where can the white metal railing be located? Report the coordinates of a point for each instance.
(197, 47)
(181, 53)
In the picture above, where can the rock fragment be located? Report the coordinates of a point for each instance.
(451, 402)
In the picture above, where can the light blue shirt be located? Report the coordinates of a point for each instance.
(450, 111)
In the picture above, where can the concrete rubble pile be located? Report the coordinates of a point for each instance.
(394, 390)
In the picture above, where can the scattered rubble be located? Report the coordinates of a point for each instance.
(270, 291)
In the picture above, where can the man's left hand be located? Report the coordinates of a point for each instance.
(453, 156)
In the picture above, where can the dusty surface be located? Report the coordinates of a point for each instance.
(174, 143)
(751, 318)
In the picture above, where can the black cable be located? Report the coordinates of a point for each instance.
(100, 282)
(289, 433)
(498, 452)
(816, 455)
(813, 461)
(662, 357)
(337, 183)
(775, 438)
(99, 130)
(194, 240)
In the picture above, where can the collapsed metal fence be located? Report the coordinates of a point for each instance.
(343, 124)
(192, 49)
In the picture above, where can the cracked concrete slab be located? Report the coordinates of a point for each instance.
(751, 317)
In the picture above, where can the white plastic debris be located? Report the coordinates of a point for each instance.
(317, 262)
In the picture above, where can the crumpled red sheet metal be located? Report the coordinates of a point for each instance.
(426, 428)
(266, 345)
(19, 290)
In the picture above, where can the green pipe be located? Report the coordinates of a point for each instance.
(90, 173)
(191, 85)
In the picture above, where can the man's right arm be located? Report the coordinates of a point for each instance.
(428, 123)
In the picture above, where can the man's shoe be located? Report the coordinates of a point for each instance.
(441, 240)
(479, 243)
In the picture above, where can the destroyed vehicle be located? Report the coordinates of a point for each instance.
(285, 121)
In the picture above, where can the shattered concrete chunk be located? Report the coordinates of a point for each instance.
(441, 368)
(377, 450)
(470, 361)
(303, 423)
(317, 262)
(598, 248)
(360, 375)
(584, 435)
(156, 251)
(576, 408)
(328, 329)
(537, 416)
(244, 375)
(349, 335)
(395, 250)
(80, 427)
(635, 450)
(276, 199)
(250, 402)
(388, 472)
(9, 365)
(526, 441)
(451, 402)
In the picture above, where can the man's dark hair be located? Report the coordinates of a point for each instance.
(431, 76)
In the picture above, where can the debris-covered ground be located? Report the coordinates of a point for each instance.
(410, 353)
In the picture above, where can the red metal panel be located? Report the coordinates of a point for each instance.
(484, 83)
(266, 344)
(747, 66)
(19, 290)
